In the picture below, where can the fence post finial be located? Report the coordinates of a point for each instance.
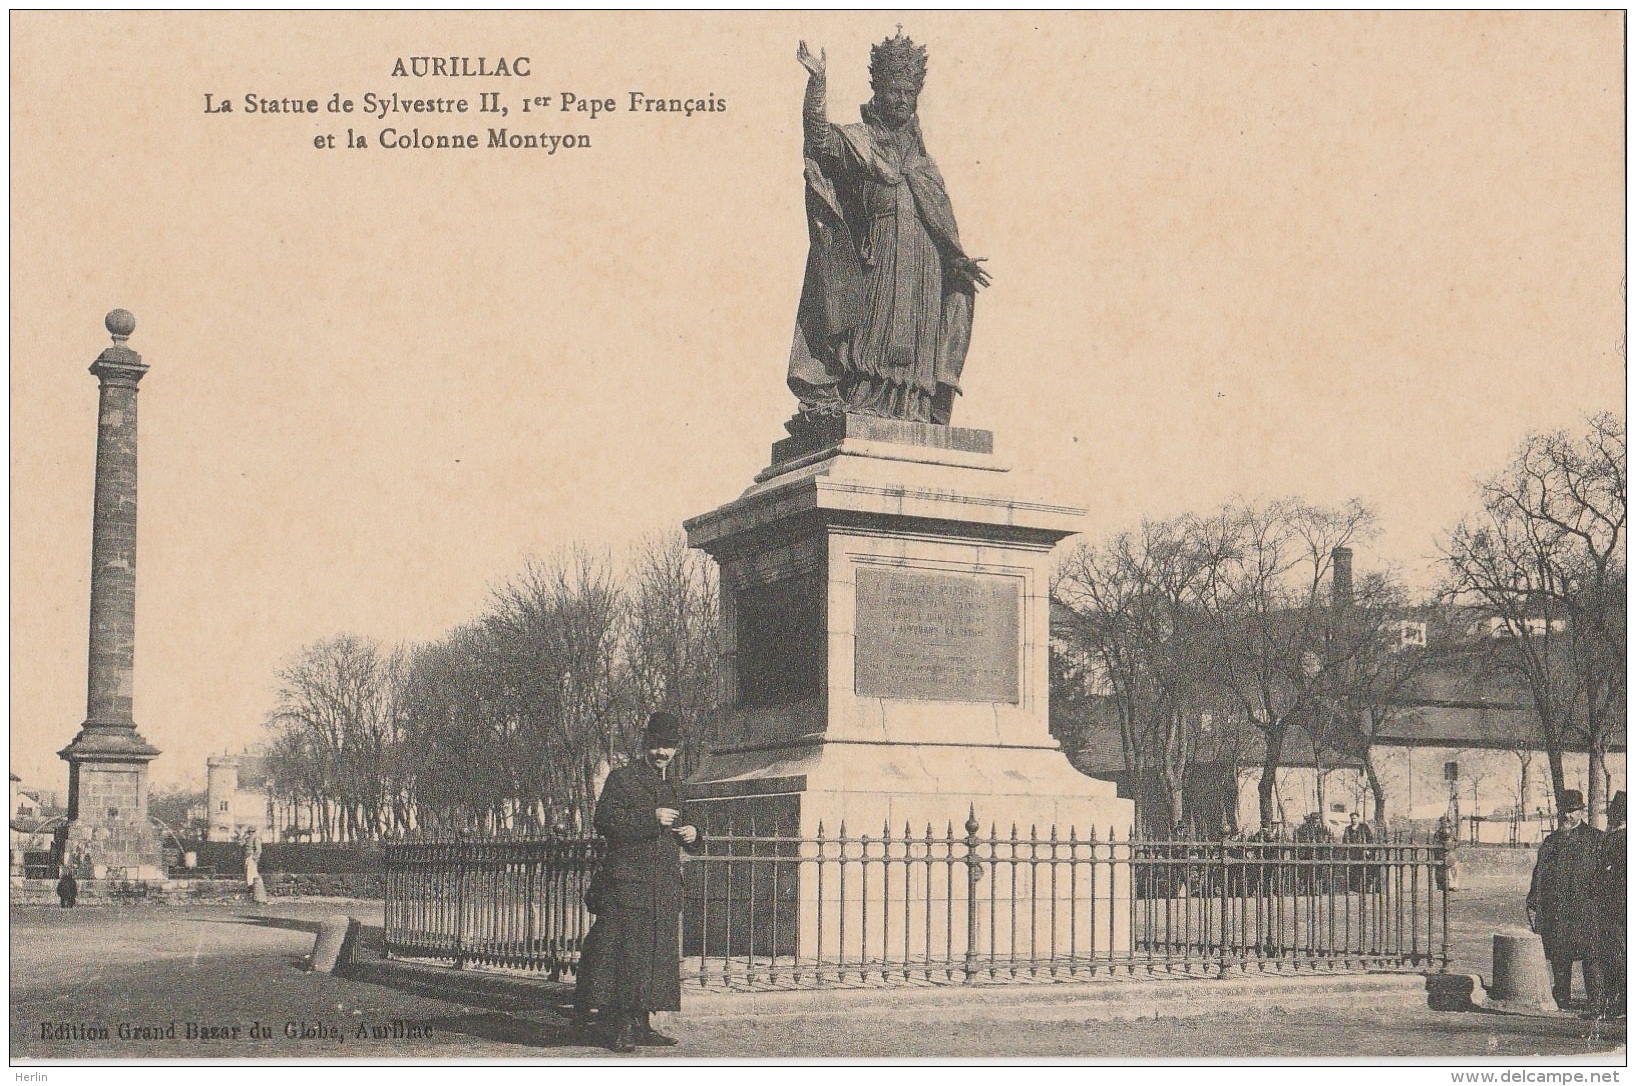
(974, 873)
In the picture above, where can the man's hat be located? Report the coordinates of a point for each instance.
(1572, 800)
(663, 730)
(1616, 808)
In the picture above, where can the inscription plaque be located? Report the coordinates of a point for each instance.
(936, 637)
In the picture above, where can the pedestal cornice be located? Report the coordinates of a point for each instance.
(108, 743)
(860, 480)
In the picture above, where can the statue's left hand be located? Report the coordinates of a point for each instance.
(970, 268)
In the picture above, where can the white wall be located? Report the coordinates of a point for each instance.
(1489, 783)
(1295, 795)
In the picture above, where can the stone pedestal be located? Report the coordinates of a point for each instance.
(885, 602)
(108, 835)
(885, 605)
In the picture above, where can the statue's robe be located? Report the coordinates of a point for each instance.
(884, 324)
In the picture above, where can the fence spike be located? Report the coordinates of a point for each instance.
(971, 820)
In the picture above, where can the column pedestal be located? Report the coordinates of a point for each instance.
(108, 835)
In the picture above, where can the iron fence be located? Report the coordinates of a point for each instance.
(514, 902)
(943, 907)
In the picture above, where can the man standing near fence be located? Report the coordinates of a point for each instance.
(1360, 874)
(1560, 905)
(1608, 890)
(630, 965)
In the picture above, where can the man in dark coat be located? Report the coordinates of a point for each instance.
(1608, 889)
(1360, 875)
(629, 965)
(68, 889)
(1560, 905)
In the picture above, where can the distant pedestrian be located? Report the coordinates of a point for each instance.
(1561, 907)
(1448, 876)
(1314, 829)
(1312, 874)
(1608, 889)
(1360, 874)
(251, 845)
(1261, 852)
(68, 889)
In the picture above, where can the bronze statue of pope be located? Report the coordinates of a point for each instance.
(886, 305)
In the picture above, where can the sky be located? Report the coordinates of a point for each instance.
(1333, 255)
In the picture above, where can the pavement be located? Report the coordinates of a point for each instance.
(166, 983)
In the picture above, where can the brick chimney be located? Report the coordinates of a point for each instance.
(1340, 589)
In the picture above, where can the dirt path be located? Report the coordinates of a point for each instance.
(219, 983)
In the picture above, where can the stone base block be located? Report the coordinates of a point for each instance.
(871, 787)
(1522, 976)
(112, 850)
(100, 892)
(870, 848)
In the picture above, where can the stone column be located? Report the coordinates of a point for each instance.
(108, 833)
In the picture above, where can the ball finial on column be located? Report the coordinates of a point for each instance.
(120, 324)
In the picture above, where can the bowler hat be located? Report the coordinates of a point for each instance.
(1572, 800)
(663, 730)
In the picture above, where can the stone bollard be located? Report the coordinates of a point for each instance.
(1522, 979)
(332, 951)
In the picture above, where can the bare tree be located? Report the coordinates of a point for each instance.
(462, 732)
(1142, 609)
(672, 639)
(1370, 670)
(1278, 624)
(554, 634)
(1545, 560)
(512, 719)
(336, 712)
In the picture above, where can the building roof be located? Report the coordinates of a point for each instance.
(252, 771)
(1480, 727)
(1103, 753)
